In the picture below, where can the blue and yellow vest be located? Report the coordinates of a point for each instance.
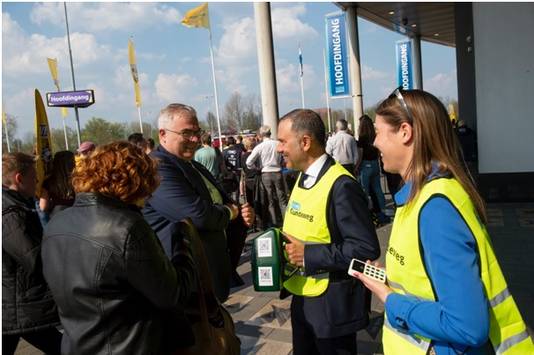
(406, 274)
(305, 219)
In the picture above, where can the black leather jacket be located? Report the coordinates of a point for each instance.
(116, 291)
(27, 303)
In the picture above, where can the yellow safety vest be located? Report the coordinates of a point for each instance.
(305, 219)
(407, 275)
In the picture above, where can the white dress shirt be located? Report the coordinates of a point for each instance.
(313, 171)
(268, 156)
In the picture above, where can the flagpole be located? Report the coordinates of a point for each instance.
(7, 135)
(72, 72)
(140, 119)
(326, 92)
(301, 78)
(65, 131)
(215, 91)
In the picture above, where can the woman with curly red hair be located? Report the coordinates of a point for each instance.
(115, 289)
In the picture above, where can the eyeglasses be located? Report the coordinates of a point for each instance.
(398, 94)
(187, 133)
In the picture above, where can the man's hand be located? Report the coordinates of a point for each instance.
(234, 210)
(295, 250)
(248, 214)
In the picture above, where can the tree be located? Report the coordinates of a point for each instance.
(210, 124)
(57, 136)
(252, 114)
(100, 131)
(11, 126)
(233, 112)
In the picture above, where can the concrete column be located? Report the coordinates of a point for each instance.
(417, 66)
(264, 40)
(355, 70)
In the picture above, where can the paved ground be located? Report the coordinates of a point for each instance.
(263, 321)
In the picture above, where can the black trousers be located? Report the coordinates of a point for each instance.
(305, 341)
(48, 341)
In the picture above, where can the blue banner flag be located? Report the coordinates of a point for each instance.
(404, 64)
(336, 44)
(300, 62)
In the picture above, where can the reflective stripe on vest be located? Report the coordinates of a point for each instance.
(406, 271)
(305, 219)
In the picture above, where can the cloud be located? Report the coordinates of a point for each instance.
(174, 87)
(238, 42)
(287, 25)
(442, 84)
(26, 54)
(288, 81)
(104, 16)
(368, 73)
(123, 77)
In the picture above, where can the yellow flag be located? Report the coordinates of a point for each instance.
(4, 119)
(452, 112)
(135, 76)
(197, 17)
(52, 64)
(43, 146)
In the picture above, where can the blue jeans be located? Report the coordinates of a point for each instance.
(370, 180)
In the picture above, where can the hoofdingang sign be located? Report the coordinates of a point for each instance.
(81, 98)
(404, 64)
(336, 44)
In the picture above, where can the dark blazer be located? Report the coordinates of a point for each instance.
(182, 193)
(344, 307)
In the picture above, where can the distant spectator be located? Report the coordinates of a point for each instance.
(58, 193)
(239, 143)
(369, 168)
(150, 145)
(116, 290)
(468, 142)
(138, 140)
(84, 150)
(269, 161)
(207, 156)
(343, 147)
(251, 174)
(28, 309)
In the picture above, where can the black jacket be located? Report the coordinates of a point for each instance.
(182, 193)
(344, 307)
(27, 303)
(116, 291)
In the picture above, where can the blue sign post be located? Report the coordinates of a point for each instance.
(336, 44)
(403, 50)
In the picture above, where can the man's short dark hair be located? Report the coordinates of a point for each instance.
(15, 163)
(206, 139)
(304, 121)
(136, 139)
(342, 124)
(230, 140)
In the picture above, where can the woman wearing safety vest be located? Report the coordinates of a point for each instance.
(445, 291)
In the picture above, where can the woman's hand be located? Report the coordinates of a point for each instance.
(378, 288)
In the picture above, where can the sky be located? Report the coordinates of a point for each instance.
(173, 61)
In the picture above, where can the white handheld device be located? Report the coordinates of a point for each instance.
(368, 270)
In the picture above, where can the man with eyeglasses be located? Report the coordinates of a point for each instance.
(188, 189)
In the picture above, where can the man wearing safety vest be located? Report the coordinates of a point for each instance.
(445, 292)
(326, 224)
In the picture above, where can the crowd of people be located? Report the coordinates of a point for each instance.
(109, 263)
